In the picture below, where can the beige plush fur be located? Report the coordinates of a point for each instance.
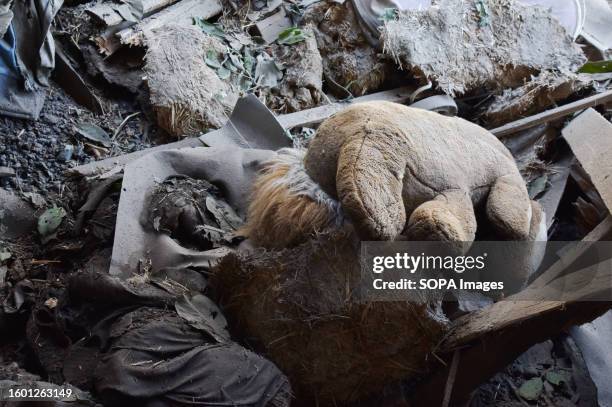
(286, 206)
(396, 168)
(392, 170)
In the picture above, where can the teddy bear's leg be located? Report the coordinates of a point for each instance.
(448, 217)
(509, 208)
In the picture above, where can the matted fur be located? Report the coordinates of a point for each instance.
(301, 308)
(287, 207)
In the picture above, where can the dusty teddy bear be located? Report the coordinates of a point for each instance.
(393, 170)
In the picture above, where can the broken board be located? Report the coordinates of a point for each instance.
(590, 137)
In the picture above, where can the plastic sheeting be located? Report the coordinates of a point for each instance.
(594, 341)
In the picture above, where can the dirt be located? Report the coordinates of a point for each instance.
(41, 151)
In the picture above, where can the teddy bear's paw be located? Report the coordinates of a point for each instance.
(448, 218)
(509, 208)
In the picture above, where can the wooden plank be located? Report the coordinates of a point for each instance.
(107, 12)
(590, 137)
(314, 116)
(552, 114)
(181, 13)
(493, 337)
(98, 167)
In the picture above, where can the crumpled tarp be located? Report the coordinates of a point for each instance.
(232, 170)
(27, 55)
(594, 340)
(132, 342)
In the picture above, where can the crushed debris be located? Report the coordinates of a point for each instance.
(509, 41)
(188, 96)
(182, 213)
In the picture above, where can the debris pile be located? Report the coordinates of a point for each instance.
(186, 187)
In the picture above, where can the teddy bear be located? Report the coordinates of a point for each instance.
(393, 172)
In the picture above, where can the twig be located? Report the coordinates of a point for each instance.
(123, 123)
(450, 381)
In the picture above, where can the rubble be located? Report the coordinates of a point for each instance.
(133, 271)
(538, 93)
(188, 96)
(351, 67)
(178, 14)
(510, 42)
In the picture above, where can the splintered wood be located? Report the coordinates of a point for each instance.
(590, 138)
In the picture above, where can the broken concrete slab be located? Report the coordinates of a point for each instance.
(590, 137)
(462, 46)
(302, 84)
(187, 95)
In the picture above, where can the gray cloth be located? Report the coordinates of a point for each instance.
(231, 169)
(27, 56)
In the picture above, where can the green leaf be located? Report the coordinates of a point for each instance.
(249, 60)
(50, 220)
(290, 36)
(596, 67)
(556, 378)
(209, 28)
(212, 59)
(531, 389)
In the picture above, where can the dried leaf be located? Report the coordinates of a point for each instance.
(223, 214)
(224, 73)
(94, 133)
(267, 73)
(209, 28)
(556, 378)
(212, 59)
(5, 254)
(538, 186)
